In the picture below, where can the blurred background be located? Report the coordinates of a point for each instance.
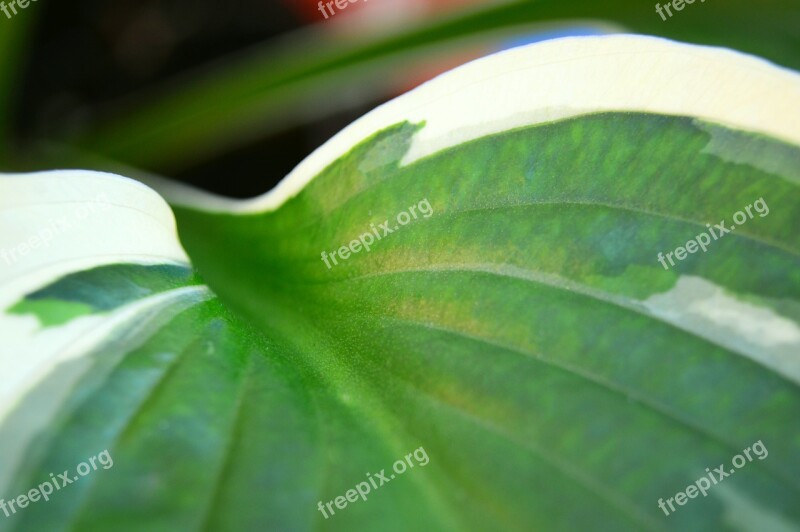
(231, 95)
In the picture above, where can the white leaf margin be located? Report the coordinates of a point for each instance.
(60, 222)
(573, 76)
(549, 81)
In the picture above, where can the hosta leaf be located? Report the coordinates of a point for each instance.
(516, 324)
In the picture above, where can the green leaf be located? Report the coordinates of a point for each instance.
(513, 321)
(101, 289)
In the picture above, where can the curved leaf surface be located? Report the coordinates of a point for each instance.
(510, 317)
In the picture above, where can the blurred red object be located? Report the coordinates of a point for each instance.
(310, 11)
(360, 18)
